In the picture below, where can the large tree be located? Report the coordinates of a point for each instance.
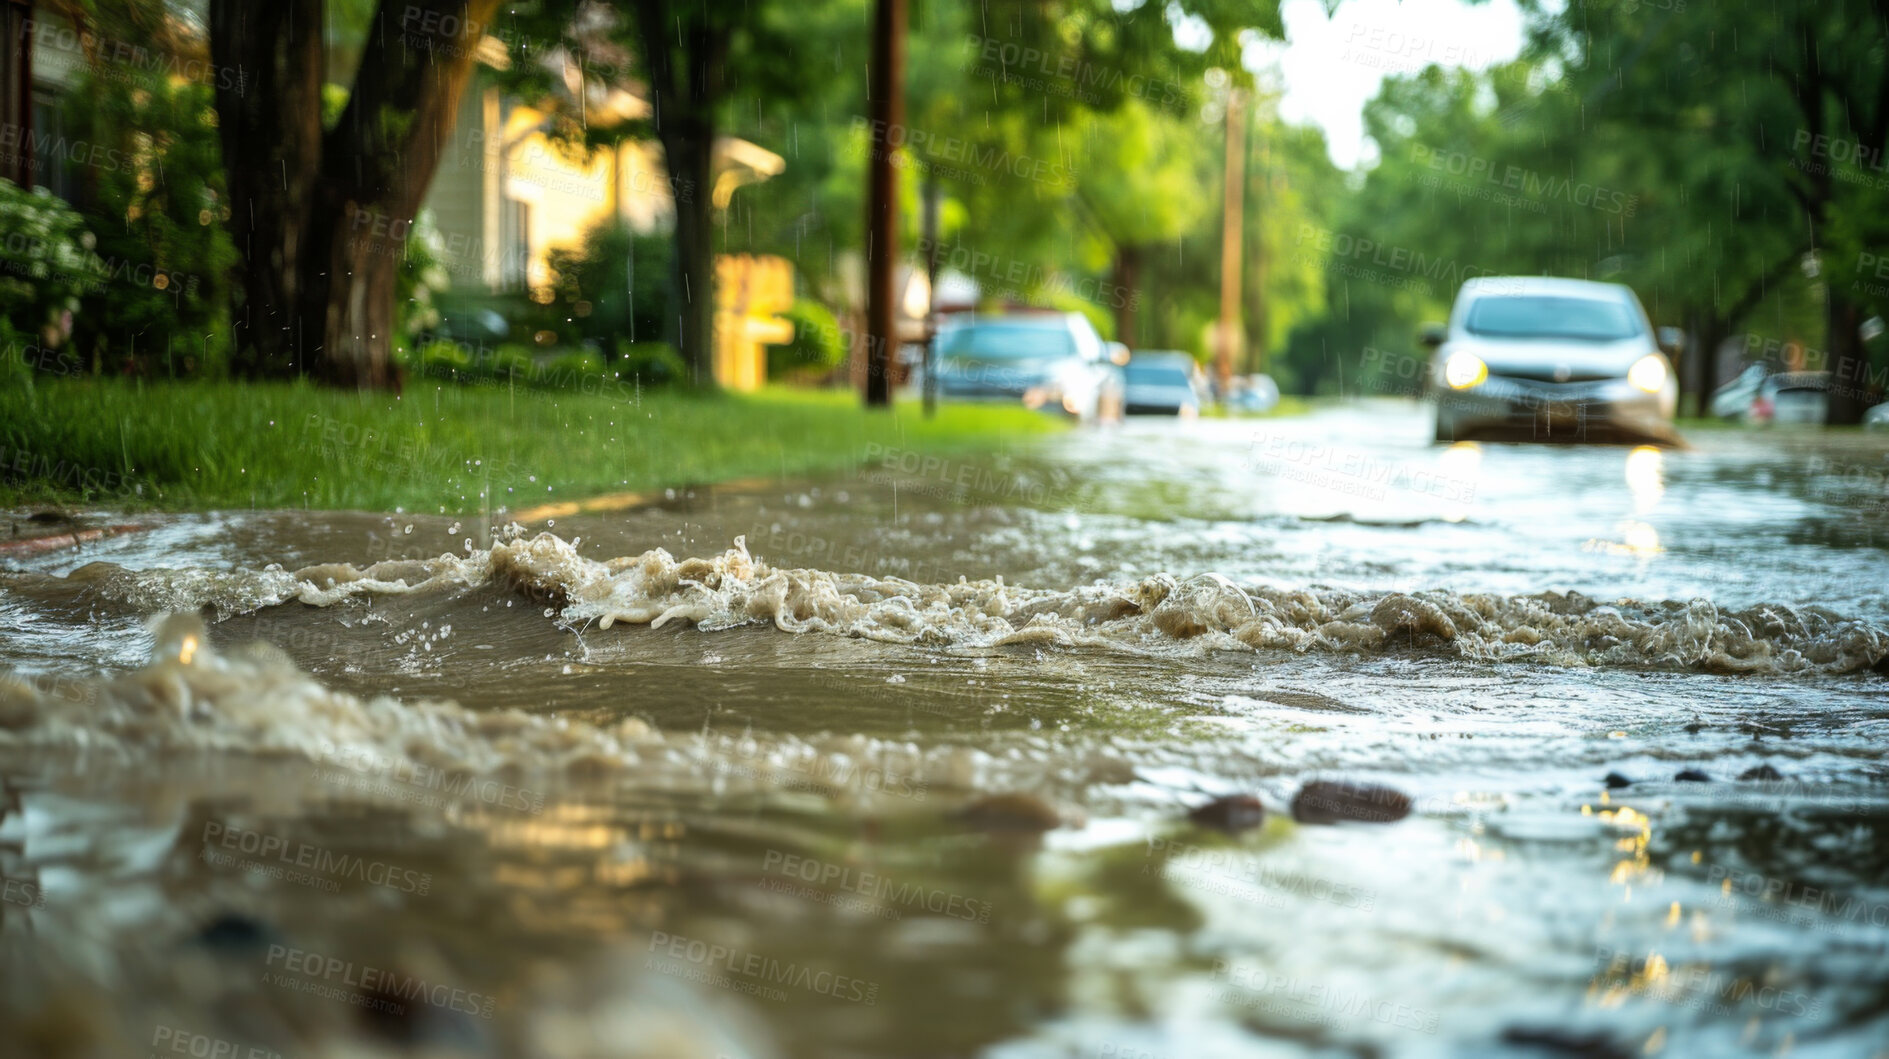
(1538, 168)
(1138, 185)
(1782, 102)
(320, 215)
(693, 59)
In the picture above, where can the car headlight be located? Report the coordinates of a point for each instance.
(1648, 373)
(1464, 371)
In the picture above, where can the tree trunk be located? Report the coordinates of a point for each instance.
(1127, 281)
(321, 219)
(356, 299)
(1698, 365)
(377, 163)
(885, 90)
(688, 150)
(1712, 335)
(1848, 360)
(685, 56)
(1232, 244)
(269, 117)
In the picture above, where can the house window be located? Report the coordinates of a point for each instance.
(52, 172)
(16, 79)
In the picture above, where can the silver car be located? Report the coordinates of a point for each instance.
(1551, 359)
(1162, 382)
(1054, 362)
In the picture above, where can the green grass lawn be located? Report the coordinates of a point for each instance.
(184, 446)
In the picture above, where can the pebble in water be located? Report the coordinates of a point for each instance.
(232, 933)
(1233, 813)
(1328, 802)
(1692, 776)
(395, 1018)
(1547, 1041)
(1615, 781)
(1762, 772)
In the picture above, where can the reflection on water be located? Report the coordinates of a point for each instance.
(1646, 478)
(448, 812)
(1462, 461)
(1646, 482)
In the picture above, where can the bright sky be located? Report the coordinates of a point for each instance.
(1330, 66)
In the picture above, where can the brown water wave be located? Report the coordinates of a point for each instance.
(1163, 613)
(192, 699)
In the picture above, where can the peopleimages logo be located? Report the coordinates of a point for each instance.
(22, 893)
(1344, 246)
(170, 1040)
(349, 981)
(38, 259)
(109, 52)
(18, 142)
(831, 772)
(403, 772)
(1065, 74)
(1474, 169)
(1839, 909)
(273, 852)
(1287, 993)
(880, 888)
(1698, 987)
(757, 969)
(963, 152)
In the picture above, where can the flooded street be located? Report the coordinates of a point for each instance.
(899, 761)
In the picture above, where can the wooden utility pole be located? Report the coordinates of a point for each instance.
(885, 89)
(1257, 362)
(1231, 229)
(929, 226)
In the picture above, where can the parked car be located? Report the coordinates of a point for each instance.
(1162, 382)
(1793, 397)
(476, 327)
(1253, 393)
(1734, 399)
(1551, 359)
(1055, 362)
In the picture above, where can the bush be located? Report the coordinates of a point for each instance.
(445, 360)
(650, 363)
(615, 287)
(438, 359)
(160, 307)
(422, 276)
(816, 347)
(46, 268)
(512, 363)
(569, 368)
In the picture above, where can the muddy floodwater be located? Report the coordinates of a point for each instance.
(899, 761)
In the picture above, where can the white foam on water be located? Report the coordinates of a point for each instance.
(1162, 613)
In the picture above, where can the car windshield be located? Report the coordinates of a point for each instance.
(1546, 317)
(1155, 374)
(1007, 342)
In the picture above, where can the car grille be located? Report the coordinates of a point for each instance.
(981, 388)
(1539, 374)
